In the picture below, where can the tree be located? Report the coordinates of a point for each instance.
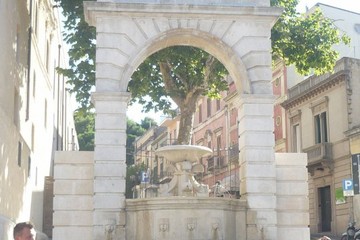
(133, 178)
(85, 128)
(147, 123)
(304, 41)
(134, 130)
(183, 74)
(81, 37)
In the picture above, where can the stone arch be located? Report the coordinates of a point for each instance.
(237, 32)
(195, 38)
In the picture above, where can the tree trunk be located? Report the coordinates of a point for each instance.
(187, 112)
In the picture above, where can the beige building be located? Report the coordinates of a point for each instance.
(310, 107)
(324, 121)
(35, 114)
(144, 152)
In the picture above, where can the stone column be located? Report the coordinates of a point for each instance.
(110, 165)
(257, 165)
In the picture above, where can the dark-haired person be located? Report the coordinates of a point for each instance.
(22, 231)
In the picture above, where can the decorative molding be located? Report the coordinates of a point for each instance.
(110, 96)
(319, 105)
(164, 225)
(191, 224)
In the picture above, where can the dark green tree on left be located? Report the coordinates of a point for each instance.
(85, 129)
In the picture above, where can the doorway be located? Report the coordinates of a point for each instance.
(324, 209)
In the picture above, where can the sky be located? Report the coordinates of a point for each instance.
(352, 5)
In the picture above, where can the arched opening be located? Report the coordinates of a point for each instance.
(195, 38)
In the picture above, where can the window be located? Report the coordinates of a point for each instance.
(296, 138)
(29, 166)
(208, 107)
(277, 81)
(218, 144)
(209, 144)
(47, 59)
(218, 104)
(19, 153)
(200, 113)
(295, 121)
(32, 137)
(16, 108)
(321, 135)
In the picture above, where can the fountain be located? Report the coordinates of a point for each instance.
(186, 160)
(183, 208)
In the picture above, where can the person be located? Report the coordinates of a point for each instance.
(22, 231)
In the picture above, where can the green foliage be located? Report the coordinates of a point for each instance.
(297, 39)
(188, 75)
(81, 37)
(147, 123)
(133, 131)
(133, 178)
(305, 40)
(85, 128)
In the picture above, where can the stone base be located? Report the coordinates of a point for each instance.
(185, 218)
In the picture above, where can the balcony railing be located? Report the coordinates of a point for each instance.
(319, 156)
(234, 153)
(216, 162)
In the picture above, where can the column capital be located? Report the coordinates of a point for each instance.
(110, 96)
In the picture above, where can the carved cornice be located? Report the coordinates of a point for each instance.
(316, 89)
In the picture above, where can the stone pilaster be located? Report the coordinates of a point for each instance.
(110, 165)
(257, 165)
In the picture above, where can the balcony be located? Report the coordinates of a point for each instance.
(319, 157)
(216, 162)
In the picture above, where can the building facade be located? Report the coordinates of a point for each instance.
(35, 112)
(323, 111)
(216, 127)
(330, 165)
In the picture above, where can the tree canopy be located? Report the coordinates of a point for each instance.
(183, 74)
(186, 73)
(300, 39)
(305, 40)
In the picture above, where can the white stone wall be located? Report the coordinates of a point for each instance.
(73, 195)
(29, 107)
(292, 201)
(6, 228)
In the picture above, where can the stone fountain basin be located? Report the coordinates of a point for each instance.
(201, 218)
(180, 153)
